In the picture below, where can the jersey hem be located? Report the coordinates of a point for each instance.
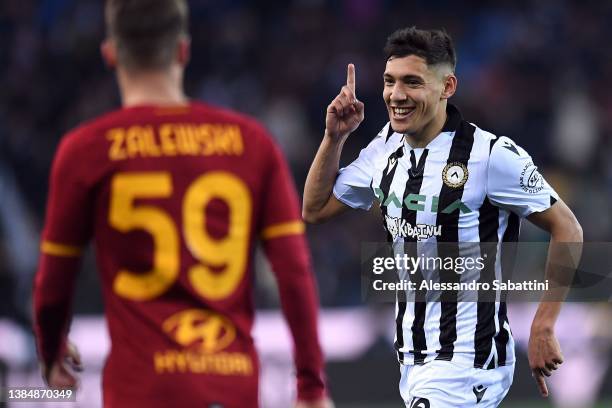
(464, 360)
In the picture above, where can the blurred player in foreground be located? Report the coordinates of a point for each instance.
(175, 194)
(441, 179)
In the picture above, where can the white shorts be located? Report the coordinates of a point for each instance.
(444, 384)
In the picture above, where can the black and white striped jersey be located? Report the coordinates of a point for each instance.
(467, 185)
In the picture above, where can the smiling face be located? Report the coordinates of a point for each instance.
(415, 94)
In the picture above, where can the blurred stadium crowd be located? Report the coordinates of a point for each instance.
(537, 71)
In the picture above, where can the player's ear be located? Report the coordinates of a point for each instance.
(109, 53)
(450, 86)
(183, 51)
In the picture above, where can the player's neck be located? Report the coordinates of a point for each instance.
(429, 132)
(151, 88)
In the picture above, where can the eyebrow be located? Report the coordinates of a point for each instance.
(405, 78)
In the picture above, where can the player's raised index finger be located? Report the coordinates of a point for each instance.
(350, 77)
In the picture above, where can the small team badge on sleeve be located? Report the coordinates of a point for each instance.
(455, 174)
(531, 180)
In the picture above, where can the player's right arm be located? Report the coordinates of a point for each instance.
(283, 237)
(67, 230)
(344, 114)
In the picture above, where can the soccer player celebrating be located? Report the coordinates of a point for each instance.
(430, 167)
(175, 194)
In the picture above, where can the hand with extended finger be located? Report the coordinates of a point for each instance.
(545, 356)
(345, 112)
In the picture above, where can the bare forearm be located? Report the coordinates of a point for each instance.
(322, 174)
(564, 254)
(343, 116)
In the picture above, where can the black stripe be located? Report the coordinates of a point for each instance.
(502, 337)
(385, 183)
(512, 230)
(399, 330)
(453, 118)
(508, 255)
(413, 186)
(389, 133)
(492, 143)
(459, 153)
(488, 224)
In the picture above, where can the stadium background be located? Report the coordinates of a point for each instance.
(537, 71)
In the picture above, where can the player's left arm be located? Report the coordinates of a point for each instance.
(66, 231)
(515, 183)
(564, 252)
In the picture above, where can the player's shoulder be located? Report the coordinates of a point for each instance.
(84, 135)
(482, 135)
(504, 148)
(492, 147)
(79, 149)
(484, 141)
(507, 159)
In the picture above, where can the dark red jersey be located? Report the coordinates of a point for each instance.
(175, 200)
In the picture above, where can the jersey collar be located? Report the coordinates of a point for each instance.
(452, 124)
(453, 118)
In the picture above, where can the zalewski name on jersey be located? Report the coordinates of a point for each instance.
(495, 285)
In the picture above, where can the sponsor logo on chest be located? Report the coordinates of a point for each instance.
(400, 228)
(420, 202)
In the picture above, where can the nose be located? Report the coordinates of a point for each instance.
(398, 93)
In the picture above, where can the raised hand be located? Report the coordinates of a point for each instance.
(345, 112)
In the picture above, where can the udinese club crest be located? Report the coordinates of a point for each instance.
(455, 174)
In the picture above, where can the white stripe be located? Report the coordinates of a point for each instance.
(437, 157)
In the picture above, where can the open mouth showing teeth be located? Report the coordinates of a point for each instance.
(402, 111)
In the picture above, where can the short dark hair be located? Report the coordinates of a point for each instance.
(434, 46)
(146, 32)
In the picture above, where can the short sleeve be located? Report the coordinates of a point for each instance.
(353, 184)
(514, 182)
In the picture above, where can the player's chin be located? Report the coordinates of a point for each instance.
(401, 126)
